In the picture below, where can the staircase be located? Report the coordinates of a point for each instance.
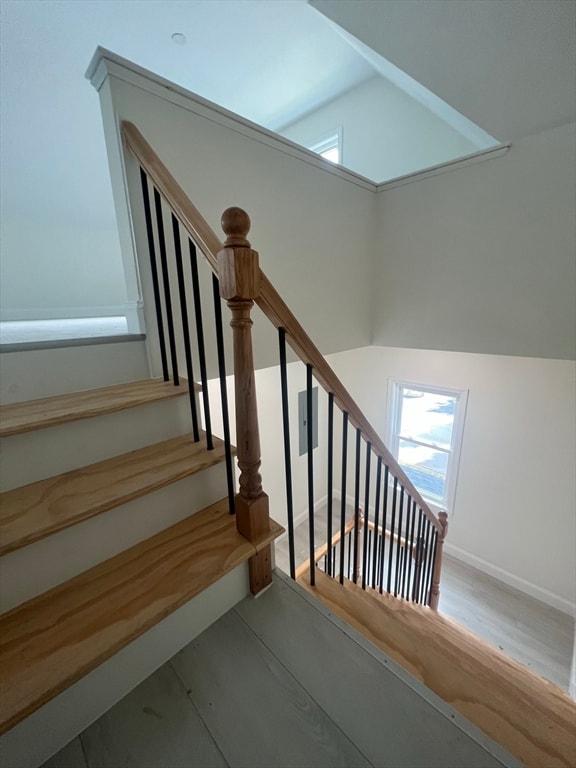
(118, 546)
(127, 530)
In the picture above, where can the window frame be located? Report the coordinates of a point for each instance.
(394, 420)
(329, 140)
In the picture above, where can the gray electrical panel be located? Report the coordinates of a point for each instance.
(303, 422)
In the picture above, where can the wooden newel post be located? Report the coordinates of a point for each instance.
(435, 590)
(239, 275)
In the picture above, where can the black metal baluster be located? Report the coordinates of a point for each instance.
(399, 539)
(287, 451)
(418, 559)
(405, 545)
(356, 505)
(376, 537)
(392, 531)
(424, 564)
(343, 492)
(398, 574)
(223, 390)
(166, 284)
(411, 549)
(366, 514)
(371, 539)
(424, 553)
(309, 434)
(349, 540)
(154, 271)
(201, 346)
(185, 325)
(384, 517)
(330, 480)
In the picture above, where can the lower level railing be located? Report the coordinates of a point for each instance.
(396, 564)
(395, 543)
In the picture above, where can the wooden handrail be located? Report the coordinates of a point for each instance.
(190, 217)
(279, 314)
(388, 534)
(269, 301)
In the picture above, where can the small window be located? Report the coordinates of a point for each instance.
(329, 146)
(426, 426)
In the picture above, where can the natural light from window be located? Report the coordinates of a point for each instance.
(328, 147)
(427, 426)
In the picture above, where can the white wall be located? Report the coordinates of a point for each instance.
(482, 259)
(59, 267)
(269, 395)
(514, 513)
(385, 132)
(314, 230)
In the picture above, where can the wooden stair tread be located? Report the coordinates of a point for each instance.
(530, 717)
(52, 641)
(46, 412)
(34, 511)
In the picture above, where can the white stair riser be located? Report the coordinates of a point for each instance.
(44, 453)
(46, 372)
(34, 569)
(31, 742)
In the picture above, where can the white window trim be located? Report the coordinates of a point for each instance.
(326, 141)
(454, 453)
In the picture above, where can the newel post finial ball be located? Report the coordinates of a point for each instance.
(236, 225)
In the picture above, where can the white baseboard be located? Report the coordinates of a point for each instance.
(321, 502)
(522, 585)
(318, 504)
(63, 313)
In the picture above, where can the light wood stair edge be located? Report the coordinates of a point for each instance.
(527, 715)
(32, 512)
(53, 640)
(30, 415)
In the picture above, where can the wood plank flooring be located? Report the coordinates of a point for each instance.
(279, 683)
(51, 641)
(533, 633)
(34, 511)
(46, 412)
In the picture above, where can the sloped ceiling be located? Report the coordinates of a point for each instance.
(268, 61)
(507, 65)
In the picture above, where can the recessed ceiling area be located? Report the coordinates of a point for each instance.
(306, 70)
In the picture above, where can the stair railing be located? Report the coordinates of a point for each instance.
(391, 503)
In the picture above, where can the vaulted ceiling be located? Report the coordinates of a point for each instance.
(508, 65)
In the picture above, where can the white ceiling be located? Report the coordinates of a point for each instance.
(507, 65)
(268, 61)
